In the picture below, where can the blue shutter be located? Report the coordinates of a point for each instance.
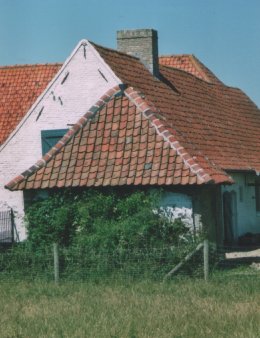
(50, 138)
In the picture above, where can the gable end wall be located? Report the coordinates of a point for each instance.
(83, 79)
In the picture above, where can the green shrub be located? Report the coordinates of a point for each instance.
(102, 233)
(103, 220)
(49, 221)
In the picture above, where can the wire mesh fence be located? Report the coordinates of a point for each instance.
(77, 263)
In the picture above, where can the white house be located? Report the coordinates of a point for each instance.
(141, 120)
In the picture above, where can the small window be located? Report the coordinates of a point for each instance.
(257, 194)
(50, 138)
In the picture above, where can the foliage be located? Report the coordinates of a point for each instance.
(49, 221)
(103, 220)
(102, 233)
(22, 261)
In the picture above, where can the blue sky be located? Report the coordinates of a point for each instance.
(223, 34)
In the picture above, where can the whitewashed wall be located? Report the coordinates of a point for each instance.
(59, 106)
(247, 218)
(179, 205)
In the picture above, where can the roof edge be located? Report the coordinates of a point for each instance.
(199, 68)
(162, 130)
(114, 50)
(25, 65)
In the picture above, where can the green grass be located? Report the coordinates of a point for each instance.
(224, 307)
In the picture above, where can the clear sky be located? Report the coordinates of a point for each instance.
(223, 34)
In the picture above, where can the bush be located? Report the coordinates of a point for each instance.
(103, 220)
(101, 234)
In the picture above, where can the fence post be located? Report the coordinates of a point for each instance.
(56, 263)
(206, 259)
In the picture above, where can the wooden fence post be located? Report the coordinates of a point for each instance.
(56, 263)
(206, 259)
(186, 259)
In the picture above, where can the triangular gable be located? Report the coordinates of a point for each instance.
(119, 141)
(54, 86)
(190, 64)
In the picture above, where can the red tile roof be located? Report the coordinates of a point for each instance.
(189, 63)
(193, 131)
(213, 121)
(120, 141)
(20, 86)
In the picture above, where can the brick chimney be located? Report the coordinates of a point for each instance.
(142, 43)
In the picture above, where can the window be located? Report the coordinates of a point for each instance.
(257, 194)
(50, 138)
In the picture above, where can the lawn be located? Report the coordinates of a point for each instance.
(223, 307)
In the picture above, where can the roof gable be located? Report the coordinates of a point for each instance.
(119, 141)
(27, 87)
(190, 64)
